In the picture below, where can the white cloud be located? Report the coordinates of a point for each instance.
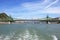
(38, 8)
(52, 3)
(34, 9)
(53, 10)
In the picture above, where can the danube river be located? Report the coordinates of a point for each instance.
(29, 31)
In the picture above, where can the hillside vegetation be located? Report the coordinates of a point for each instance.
(5, 18)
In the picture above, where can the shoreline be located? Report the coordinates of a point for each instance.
(29, 22)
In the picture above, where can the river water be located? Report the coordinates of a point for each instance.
(29, 31)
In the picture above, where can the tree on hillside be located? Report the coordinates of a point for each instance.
(5, 18)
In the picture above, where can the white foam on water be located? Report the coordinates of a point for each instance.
(7, 38)
(19, 39)
(24, 36)
(36, 37)
(54, 37)
(1, 37)
(28, 36)
(4, 38)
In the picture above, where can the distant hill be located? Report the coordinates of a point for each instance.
(5, 18)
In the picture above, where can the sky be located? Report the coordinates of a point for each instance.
(30, 9)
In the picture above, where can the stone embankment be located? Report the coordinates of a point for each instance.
(4, 22)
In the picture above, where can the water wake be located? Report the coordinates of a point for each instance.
(54, 37)
(26, 35)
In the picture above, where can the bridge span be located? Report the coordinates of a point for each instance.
(36, 21)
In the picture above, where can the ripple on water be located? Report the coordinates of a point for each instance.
(24, 36)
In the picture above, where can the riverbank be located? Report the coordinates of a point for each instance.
(4, 22)
(31, 21)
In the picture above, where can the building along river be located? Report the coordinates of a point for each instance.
(29, 31)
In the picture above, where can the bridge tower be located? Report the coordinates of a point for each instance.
(47, 19)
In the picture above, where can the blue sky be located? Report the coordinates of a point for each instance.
(30, 9)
